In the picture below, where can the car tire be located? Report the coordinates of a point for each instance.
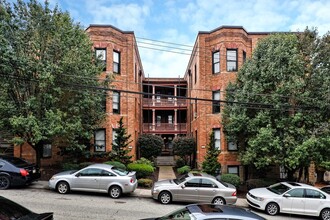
(219, 201)
(272, 208)
(165, 197)
(325, 214)
(115, 192)
(63, 187)
(4, 182)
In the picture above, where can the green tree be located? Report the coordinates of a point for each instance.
(47, 77)
(184, 147)
(150, 146)
(278, 109)
(120, 149)
(211, 164)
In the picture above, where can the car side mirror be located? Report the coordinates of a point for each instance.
(183, 186)
(287, 195)
(78, 175)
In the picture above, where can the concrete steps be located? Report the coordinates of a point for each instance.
(165, 161)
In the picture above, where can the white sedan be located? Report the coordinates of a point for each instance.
(292, 198)
(95, 178)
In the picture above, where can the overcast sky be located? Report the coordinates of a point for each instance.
(177, 23)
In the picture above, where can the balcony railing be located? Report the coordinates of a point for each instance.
(164, 127)
(164, 102)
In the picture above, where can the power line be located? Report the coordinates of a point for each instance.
(247, 104)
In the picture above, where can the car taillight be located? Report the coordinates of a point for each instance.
(132, 180)
(24, 172)
(234, 193)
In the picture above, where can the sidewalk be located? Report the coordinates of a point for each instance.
(165, 172)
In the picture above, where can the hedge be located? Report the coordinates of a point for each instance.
(142, 170)
(184, 169)
(117, 164)
(147, 183)
(232, 179)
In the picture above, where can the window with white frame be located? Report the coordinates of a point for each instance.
(116, 62)
(216, 62)
(232, 146)
(217, 141)
(231, 60)
(101, 54)
(216, 102)
(233, 170)
(99, 140)
(115, 102)
(114, 135)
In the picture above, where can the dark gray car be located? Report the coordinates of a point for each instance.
(210, 211)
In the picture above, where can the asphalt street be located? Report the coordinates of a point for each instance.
(75, 206)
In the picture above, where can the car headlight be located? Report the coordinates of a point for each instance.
(259, 198)
(53, 178)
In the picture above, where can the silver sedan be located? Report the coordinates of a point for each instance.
(95, 178)
(194, 187)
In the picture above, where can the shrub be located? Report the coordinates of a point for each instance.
(256, 183)
(232, 179)
(116, 164)
(70, 166)
(184, 147)
(147, 183)
(142, 170)
(150, 145)
(184, 169)
(143, 160)
(180, 162)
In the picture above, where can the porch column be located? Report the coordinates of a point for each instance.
(175, 119)
(175, 104)
(153, 95)
(153, 119)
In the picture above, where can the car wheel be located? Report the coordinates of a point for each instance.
(4, 182)
(219, 201)
(325, 214)
(272, 208)
(165, 197)
(63, 187)
(115, 192)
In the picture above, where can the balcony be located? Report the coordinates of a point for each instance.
(165, 128)
(164, 102)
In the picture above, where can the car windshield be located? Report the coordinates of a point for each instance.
(278, 188)
(180, 179)
(11, 210)
(177, 214)
(119, 171)
(18, 162)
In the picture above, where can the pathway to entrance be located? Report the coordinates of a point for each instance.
(166, 172)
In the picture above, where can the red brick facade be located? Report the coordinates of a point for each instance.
(199, 82)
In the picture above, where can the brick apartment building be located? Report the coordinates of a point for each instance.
(168, 107)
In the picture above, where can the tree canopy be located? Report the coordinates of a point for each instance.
(49, 77)
(278, 110)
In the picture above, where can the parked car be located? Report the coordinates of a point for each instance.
(325, 189)
(292, 198)
(101, 178)
(194, 187)
(11, 210)
(210, 211)
(16, 172)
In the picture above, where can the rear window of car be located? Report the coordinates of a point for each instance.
(119, 171)
(18, 162)
(223, 183)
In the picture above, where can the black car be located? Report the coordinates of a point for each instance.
(11, 210)
(16, 172)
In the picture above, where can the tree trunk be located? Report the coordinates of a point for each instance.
(38, 149)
